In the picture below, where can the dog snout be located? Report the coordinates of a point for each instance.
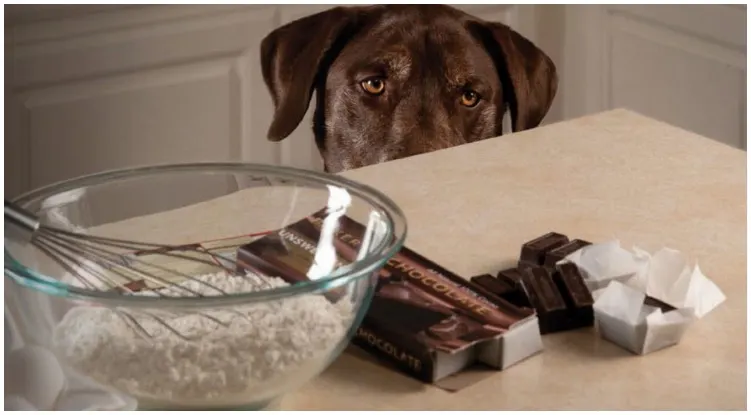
(430, 132)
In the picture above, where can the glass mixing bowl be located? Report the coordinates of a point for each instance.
(179, 333)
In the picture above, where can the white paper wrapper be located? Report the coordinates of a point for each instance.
(669, 278)
(605, 262)
(622, 318)
(620, 313)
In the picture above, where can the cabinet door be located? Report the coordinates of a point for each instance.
(683, 64)
(125, 86)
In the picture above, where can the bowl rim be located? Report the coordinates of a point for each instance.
(395, 235)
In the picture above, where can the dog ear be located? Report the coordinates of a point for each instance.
(292, 56)
(527, 74)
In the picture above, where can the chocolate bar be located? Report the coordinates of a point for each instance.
(558, 254)
(575, 293)
(423, 319)
(534, 251)
(507, 285)
(653, 302)
(561, 299)
(522, 265)
(493, 284)
(545, 298)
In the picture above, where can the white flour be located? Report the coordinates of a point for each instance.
(258, 346)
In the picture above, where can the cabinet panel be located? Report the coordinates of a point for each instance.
(682, 64)
(183, 113)
(86, 97)
(686, 82)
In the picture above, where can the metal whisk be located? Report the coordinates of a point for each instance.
(100, 263)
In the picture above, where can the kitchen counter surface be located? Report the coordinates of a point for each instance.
(612, 175)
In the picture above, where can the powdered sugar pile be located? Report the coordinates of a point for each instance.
(239, 350)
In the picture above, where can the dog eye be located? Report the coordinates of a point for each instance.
(374, 86)
(470, 98)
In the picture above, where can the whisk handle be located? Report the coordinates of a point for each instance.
(19, 223)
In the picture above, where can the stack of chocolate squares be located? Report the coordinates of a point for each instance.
(555, 289)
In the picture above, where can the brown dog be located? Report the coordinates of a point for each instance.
(395, 81)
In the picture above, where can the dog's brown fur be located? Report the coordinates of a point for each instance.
(427, 56)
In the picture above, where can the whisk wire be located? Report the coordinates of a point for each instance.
(58, 256)
(69, 262)
(102, 263)
(104, 255)
(138, 248)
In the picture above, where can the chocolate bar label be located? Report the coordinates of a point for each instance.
(370, 339)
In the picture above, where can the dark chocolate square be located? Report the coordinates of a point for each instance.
(575, 293)
(563, 251)
(534, 251)
(651, 301)
(547, 301)
(492, 284)
(511, 276)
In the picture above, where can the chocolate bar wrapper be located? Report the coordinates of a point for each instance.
(653, 310)
(603, 263)
(638, 323)
(427, 321)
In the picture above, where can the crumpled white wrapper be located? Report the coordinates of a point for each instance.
(602, 263)
(621, 280)
(668, 277)
(622, 318)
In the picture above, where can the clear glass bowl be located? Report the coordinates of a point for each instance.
(242, 346)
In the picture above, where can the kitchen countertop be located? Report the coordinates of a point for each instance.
(612, 175)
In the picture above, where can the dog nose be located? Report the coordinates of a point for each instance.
(425, 140)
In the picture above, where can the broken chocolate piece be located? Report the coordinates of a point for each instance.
(511, 276)
(534, 251)
(575, 293)
(557, 254)
(542, 291)
(561, 299)
(653, 302)
(522, 265)
(507, 285)
(571, 284)
(492, 284)
(545, 299)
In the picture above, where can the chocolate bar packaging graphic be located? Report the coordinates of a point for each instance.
(425, 320)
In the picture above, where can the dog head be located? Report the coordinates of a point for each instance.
(395, 81)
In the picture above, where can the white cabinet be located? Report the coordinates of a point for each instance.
(683, 64)
(91, 88)
(132, 86)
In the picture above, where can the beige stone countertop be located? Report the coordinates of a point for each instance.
(612, 175)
